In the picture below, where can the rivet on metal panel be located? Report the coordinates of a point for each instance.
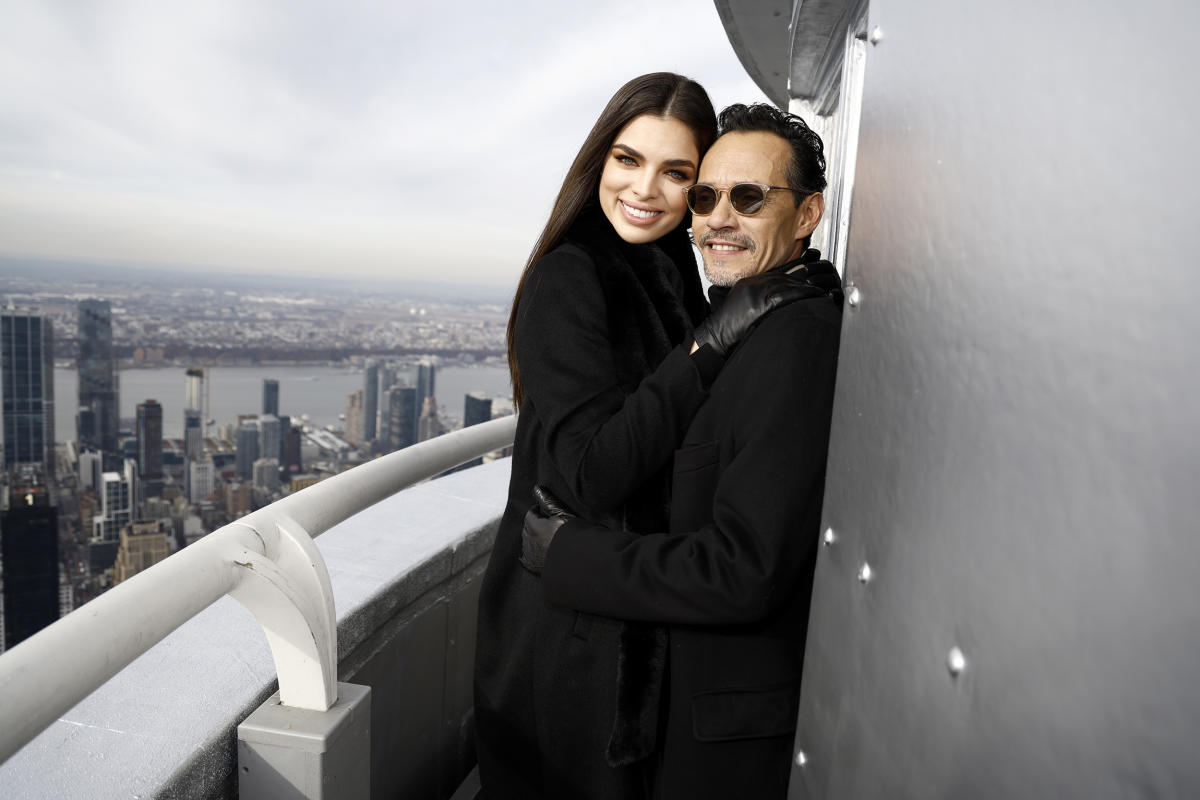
(876, 35)
(956, 662)
(829, 537)
(864, 573)
(801, 759)
(852, 296)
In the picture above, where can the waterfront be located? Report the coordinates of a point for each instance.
(318, 391)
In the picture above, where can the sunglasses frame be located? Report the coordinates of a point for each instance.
(763, 187)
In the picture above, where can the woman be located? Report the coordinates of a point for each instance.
(600, 349)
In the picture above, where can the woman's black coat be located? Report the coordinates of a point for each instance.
(566, 704)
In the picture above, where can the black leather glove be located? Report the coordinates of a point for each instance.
(749, 300)
(541, 523)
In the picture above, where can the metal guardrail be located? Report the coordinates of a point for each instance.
(266, 560)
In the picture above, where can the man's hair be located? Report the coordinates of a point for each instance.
(806, 172)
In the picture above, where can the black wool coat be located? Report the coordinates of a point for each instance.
(733, 576)
(565, 702)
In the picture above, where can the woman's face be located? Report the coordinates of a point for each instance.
(650, 162)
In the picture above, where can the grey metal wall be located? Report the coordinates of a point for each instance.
(1016, 444)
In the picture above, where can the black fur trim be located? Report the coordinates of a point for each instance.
(641, 664)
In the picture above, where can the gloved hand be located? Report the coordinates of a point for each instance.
(749, 300)
(541, 523)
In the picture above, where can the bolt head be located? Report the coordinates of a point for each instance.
(801, 759)
(865, 573)
(876, 35)
(829, 537)
(956, 662)
(853, 298)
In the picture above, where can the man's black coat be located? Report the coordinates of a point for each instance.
(733, 577)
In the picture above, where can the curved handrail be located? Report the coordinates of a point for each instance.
(38, 683)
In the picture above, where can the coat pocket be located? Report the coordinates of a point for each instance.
(728, 714)
(696, 456)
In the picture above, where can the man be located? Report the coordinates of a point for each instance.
(733, 576)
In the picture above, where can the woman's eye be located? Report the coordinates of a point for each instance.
(678, 175)
(626, 160)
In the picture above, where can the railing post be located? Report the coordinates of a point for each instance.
(289, 753)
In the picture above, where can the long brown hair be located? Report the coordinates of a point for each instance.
(663, 94)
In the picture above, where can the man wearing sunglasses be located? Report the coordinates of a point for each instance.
(733, 577)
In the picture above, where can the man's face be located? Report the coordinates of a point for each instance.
(734, 246)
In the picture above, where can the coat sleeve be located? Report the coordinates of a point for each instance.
(739, 567)
(603, 443)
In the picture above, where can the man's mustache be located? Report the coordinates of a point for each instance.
(727, 235)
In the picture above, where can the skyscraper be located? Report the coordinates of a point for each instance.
(143, 544)
(247, 449)
(429, 425)
(426, 372)
(270, 437)
(387, 379)
(118, 493)
(477, 408)
(27, 382)
(353, 427)
(194, 389)
(201, 479)
(99, 402)
(370, 406)
(270, 396)
(149, 449)
(29, 552)
(402, 417)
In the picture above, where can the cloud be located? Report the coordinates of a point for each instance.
(360, 137)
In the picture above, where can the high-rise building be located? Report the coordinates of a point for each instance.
(370, 404)
(293, 458)
(270, 397)
(247, 449)
(149, 449)
(477, 408)
(285, 425)
(193, 395)
(193, 434)
(99, 405)
(429, 425)
(266, 474)
(201, 479)
(27, 383)
(353, 428)
(29, 553)
(118, 498)
(426, 373)
(270, 436)
(402, 417)
(143, 544)
(91, 467)
(388, 373)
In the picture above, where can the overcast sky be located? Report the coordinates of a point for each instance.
(411, 139)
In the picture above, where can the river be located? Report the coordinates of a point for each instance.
(318, 391)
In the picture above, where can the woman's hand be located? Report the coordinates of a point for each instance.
(541, 523)
(749, 301)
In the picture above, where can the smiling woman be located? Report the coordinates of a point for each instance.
(651, 161)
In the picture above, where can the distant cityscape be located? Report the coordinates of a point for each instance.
(84, 509)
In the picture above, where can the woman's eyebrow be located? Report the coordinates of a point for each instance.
(674, 162)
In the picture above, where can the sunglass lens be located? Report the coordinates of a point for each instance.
(746, 198)
(702, 199)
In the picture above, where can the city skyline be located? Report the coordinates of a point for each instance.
(423, 145)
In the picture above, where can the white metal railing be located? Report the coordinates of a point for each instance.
(266, 560)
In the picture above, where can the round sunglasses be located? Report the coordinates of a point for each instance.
(747, 199)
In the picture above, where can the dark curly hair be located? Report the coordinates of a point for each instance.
(806, 172)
